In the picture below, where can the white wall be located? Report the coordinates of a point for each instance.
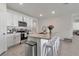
(63, 25)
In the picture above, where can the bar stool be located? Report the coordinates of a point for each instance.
(50, 48)
(47, 50)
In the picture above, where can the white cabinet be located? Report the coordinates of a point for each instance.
(9, 19)
(16, 39)
(29, 21)
(12, 19)
(13, 39)
(32, 23)
(9, 40)
(19, 18)
(16, 18)
(35, 25)
(3, 42)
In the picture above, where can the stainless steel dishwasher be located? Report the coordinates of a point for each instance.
(31, 48)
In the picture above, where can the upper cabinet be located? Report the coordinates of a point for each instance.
(35, 25)
(32, 23)
(9, 19)
(13, 19)
(29, 21)
(16, 18)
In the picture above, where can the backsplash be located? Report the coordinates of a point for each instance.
(11, 29)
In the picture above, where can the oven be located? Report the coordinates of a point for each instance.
(22, 30)
(23, 35)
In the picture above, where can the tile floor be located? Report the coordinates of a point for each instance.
(67, 49)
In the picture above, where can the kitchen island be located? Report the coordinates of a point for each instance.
(40, 39)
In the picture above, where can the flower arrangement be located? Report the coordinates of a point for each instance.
(50, 27)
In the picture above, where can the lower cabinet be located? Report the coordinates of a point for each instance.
(13, 39)
(16, 39)
(9, 40)
(3, 43)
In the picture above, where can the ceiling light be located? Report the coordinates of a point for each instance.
(53, 12)
(41, 15)
(21, 3)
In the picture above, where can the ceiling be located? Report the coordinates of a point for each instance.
(35, 9)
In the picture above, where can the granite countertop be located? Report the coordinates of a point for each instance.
(40, 36)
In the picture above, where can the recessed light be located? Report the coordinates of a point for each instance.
(53, 12)
(41, 15)
(21, 3)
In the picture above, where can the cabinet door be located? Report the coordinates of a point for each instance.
(17, 38)
(9, 19)
(3, 43)
(29, 21)
(35, 25)
(15, 20)
(12, 40)
(19, 18)
(9, 40)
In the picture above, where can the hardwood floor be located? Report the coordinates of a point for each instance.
(66, 49)
(70, 48)
(18, 50)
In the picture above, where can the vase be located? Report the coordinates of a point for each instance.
(50, 33)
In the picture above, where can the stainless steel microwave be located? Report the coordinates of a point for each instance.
(22, 24)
